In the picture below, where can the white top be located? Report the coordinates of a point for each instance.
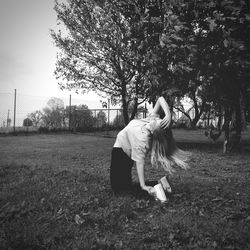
(135, 139)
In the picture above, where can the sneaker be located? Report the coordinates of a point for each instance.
(165, 184)
(160, 193)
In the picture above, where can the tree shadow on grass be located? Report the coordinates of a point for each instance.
(243, 148)
(199, 145)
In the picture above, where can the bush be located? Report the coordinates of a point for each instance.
(181, 125)
(43, 130)
(27, 122)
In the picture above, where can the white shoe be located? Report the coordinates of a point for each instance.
(165, 184)
(159, 193)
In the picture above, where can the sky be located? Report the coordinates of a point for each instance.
(28, 54)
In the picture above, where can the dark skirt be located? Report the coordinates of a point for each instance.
(120, 170)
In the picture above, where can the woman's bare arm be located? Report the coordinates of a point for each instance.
(140, 171)
(161, 103)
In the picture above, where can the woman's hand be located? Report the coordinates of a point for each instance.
(165, 123)
(149, 189)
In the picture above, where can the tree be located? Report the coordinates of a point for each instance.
(215, 41)
(27, 122)
(8, 122)
(198, 49)
(53, 114)
(101, 52)
(55, 103)
(224, 63)
(82, 118)
(119, 48)
(196, 106)
(36, 117)
(118, 121)
(101, 119)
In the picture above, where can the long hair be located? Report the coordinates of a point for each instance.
(165, 153)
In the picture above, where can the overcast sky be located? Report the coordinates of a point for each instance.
(27, 53)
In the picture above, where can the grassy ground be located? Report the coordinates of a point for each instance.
(55, 194)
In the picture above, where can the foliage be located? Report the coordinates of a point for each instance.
(215, 70)
(27, 122)
(131, 49)
(82, 118)
(54, 117)
(36, 117)
(118, 121)
(101, 119)
(55, 103)
(205, 56)
(100, 51)
(53, 114)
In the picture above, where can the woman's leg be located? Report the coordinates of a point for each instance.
(120, 170)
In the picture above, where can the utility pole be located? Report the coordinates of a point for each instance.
(8, 117)
(15, 112)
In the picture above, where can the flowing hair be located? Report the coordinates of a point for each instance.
(165, 153)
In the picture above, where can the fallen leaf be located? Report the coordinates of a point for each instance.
(237, 216)
(4, 206)
(78, 220)
(59, 211)
(201, 213)
(119, 244)
(248, 219)
(217, 199)
(171, 236)
(172, 210)
(214, 244)
(85, 214)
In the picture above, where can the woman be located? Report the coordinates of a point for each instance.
(136, 140)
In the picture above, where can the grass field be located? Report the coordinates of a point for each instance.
(55, 194)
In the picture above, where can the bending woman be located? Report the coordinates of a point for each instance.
(140, 137)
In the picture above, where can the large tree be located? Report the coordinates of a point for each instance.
(223, 63)
(101, 51)
(82, 118)
(53, 113)
(214, 49)
(130, 49)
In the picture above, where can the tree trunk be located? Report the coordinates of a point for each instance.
(185, 113)
(227, 118)
(238, 120)
(134, 109)
(208, 118)
(198, 110)
(125, 112)
(235, 135)
(125, 104)
(219, 119)
(196, 119)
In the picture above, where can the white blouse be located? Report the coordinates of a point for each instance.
(135, 139)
